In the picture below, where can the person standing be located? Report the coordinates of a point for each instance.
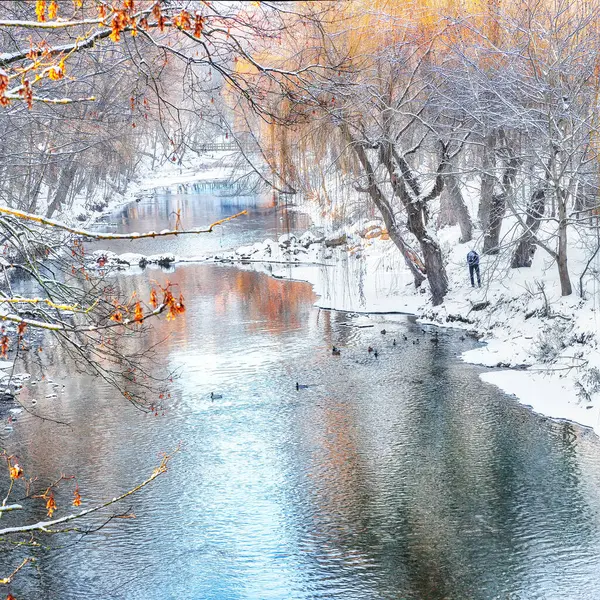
(473, 262)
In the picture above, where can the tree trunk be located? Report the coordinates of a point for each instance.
(416, 210)
(385, 209)
(436, 271)
(446, 216)
(459, 208)
(561, 260)
(491, 238)
(523, 255)
(65, 180)
(488, 179)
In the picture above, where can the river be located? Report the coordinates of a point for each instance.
(401, 476)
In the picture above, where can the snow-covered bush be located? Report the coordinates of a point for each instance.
(551, 342)
(588, 384)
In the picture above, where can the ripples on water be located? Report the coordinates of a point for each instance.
(398, 477)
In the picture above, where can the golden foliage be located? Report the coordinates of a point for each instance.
(117, 316)
(153, 299)
(118, 24)
(53, 10)
(183, 20)
(4, 341)
(198, 25)
(40, 10)
(139, 313)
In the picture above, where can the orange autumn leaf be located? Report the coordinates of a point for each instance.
(55, 73)
(10, 597)
(118, 24)
(21, 327)
(180, 305)
(40, 10)
(183, 20)
(139, 313)
(4, 346)
(117, 316)
(76, 497)
(15, 471)
(198, 25)
(53, 10)
(26, 93)
(50, 504)
(153, 299)
(3, 80)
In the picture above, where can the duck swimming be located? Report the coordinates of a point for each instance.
(214, 396)
(335, 351)
(301, 386)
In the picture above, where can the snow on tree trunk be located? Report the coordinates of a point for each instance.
(402, 178)
(385, 209)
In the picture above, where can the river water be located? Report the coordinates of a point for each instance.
(402, 476)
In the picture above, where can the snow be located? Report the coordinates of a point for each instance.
(547, 394)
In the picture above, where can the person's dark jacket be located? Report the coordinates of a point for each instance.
(473, 258)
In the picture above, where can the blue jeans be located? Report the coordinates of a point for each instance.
(474, 269)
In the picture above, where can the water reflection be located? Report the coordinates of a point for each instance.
(397, 477)
(160, 212)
